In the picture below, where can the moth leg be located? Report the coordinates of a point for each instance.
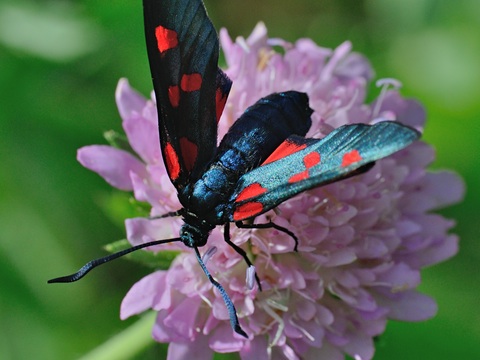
(228, 302)
(239, 250)
(269, 225)
(169, 214)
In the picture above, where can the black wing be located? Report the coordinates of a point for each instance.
(190, 90)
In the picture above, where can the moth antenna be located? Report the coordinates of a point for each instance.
(228, 302)
(169, 214)
(94, 263)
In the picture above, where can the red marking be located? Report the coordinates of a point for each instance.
(247, 210)
(220, 100)
(191, 82)
(174, 95)
(351, 158)
(166, 38)
(286, 148)
(173, 166)
(312, 159)
(250, 191)
(189, 152)
(299, 177)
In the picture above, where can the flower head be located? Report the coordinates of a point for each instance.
(362, 241)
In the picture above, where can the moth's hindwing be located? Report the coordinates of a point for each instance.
(300, 164)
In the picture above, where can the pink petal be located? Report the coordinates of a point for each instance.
(409, 306)
(143, 137)
(360, 347)
(353, 66)
(371, 248)
(197, 350)
(306, 310)
(400, 277)
(223, 340)
(286, 352)
(143, 295)
(342, 214)
(129, 101)
(258, 35)
(326, 352)
(140, 187)
(162, 333)
(309, 48)
(443, 248)
(112, 164)
(407, 227)
(140, 229)
(255, 349)
(409, 112)
(181, 318)
(144, 190)
(417, 156)
(340, 257)
(316, 334)
(446, 187)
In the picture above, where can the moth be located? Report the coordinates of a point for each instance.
(263, 160)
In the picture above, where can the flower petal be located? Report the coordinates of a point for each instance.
(255, 349)
(360, 347)
(140, 229)
(197, 350)
(143, 137)
(223, 341)
(112, 164)
(129, 102)
(182, 318)
(409, 306)
(143, 295)
(446, 187)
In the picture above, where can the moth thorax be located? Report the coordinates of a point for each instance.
(194, 231)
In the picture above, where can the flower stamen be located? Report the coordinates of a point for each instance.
(278, 320)
(302, 330)
(385, 84)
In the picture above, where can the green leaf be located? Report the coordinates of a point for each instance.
(160, 260)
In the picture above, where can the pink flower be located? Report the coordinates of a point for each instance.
(362, 241)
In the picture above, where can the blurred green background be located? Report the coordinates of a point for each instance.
(59, 65)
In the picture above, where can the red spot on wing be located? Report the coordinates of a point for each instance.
(220, 100)
(311, 159)
(171, 159)
(166, 39)
(351, 158)
(250, 191)
(299, 177)
(286, 148)
(189, 152)
(247, 210)
(191, 82)
(174, 95)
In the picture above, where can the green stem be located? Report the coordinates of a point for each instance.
(130, 342)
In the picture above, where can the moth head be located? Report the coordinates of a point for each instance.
(195, 232)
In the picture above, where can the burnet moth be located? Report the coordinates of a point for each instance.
(263, 160)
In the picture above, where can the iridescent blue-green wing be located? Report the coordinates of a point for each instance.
(300, 164)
